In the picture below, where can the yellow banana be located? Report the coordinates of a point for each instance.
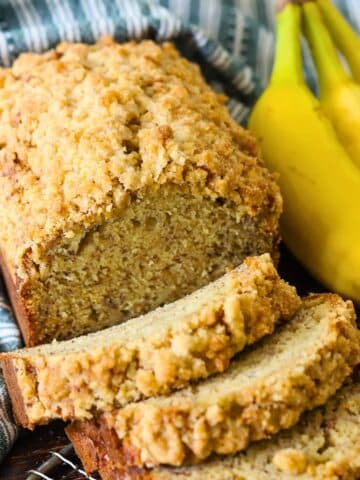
(339, 94)
(346, 39)
(319, 182)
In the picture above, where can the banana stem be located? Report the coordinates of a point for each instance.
(329, 67)
(346, 39)
(288, 65)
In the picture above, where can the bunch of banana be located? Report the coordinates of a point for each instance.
(345, 38)
(339, 93)
(319, 180)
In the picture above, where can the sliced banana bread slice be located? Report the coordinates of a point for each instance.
(324, 445)
(153, 354)
(265, 390)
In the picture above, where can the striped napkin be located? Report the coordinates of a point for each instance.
(232, 39)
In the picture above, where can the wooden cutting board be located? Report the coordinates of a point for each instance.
(32, 448)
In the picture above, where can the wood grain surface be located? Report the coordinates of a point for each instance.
(32, 448)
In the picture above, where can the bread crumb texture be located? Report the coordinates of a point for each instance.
(266, 390)
(324, 445)
(163, 350)
(113, 118)
(290, 460)
(103, 149)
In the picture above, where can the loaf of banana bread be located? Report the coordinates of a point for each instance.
(324, 445)
(124, 184)
(150, 355)
(264, 391)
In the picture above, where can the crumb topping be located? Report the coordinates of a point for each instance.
(85, 126)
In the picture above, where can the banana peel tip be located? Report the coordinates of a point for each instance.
(281, 4)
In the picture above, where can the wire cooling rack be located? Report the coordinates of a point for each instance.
(64, 459)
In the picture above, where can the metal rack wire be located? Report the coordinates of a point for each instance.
(56, 460)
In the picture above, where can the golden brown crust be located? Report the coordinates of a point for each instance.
(324, 445)
(88, 445)
(99, 449)
(22, 314)
(114, 118)
(296, 369)
(17, 400)
(87, 128)
(187, 340)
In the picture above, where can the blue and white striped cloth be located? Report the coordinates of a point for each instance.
(232, 39)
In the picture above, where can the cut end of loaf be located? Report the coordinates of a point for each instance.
(164, 245)
(292, 363)
(157, 349)
(291, 453)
